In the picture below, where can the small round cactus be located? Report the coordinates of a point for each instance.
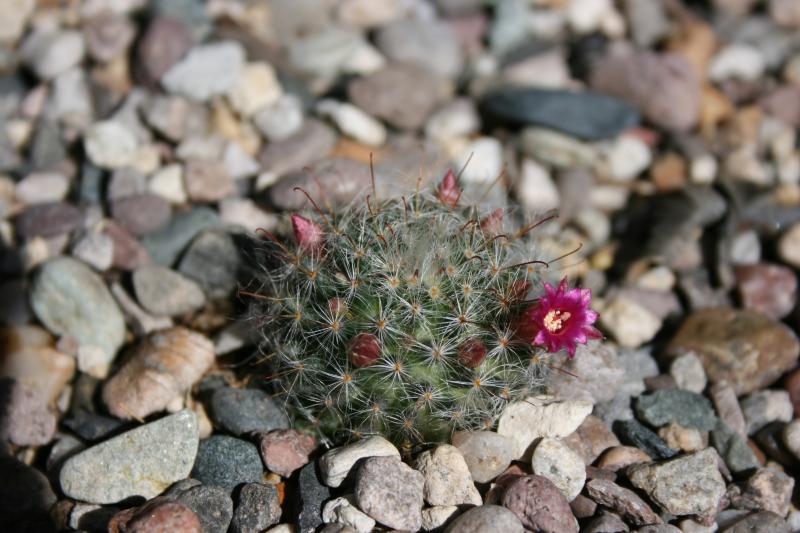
(410, 317)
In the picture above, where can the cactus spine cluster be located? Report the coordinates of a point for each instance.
(398, 316)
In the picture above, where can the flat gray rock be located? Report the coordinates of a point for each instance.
(140, 462)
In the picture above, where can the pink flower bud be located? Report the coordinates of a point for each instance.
(364, 350)
(449, 192)
(493, 222)
(337, 306)
(307, 233)
(472, 353)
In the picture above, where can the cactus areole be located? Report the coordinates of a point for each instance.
(410, 317)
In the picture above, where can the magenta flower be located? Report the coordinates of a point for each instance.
(307, 233)
(560, 320)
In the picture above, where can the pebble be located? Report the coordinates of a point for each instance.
(686, 408)
(111, 144)
(727, 406)
(620, 457)
(456, 119)
(256, 88)
(26, 420)
(390, 492)
(621, 500)
(42, 188)
(47, 220)
(770, 441)
(282, 119)
(791, 437)
(486, 519)
(108, 36)
(785, 13)
(163, 291)
(447, 477)
(13, 25)
(768, 489)
(286, 450)
(439, 517)
(627, 157)
(557, 149)
(342, 511)
(742, 347)
(402, 95)
(486, 453)
(335, 465)
(166, 244)
(212, 505)
(353, 122)
(96, 249)
(141, 462)
(768, 289)
(157, 516)
(257, 508)
(737, 61)
(245, 213)
(167, 182)
(629, 322)
(591, 439)
(789, 246)
(48, 53)
(734, 449)
(539, 505)
(585, 115)
(141, 213)
(557, 462)
(636, 434)
(765, 406)
(313, 495)
(207, 181)
(312, 143)
(664, 87)
(535, 188)
(759, 522)
(32, 361)
(429, 44)
(688, 485)
(324, 52)
(688, 373)
(598, 372)
(481, 161)
(164, 43)
(243, 411)
(206, 71)
(213, 260)
(162, 368)
(540, 416)
(73, 301)
(227, 462)
(128, 252)
(238, 163)
(682, 438)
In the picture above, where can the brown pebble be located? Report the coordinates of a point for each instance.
(207, 181)
(591, 439)
(622, 500)
(622, 456)
(539, 505)
(164, 43)
(769, 289)
(285, 450)
(583, 507)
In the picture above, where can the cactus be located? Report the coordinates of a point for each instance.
(407, 317)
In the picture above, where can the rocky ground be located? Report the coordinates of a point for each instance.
(142, 142)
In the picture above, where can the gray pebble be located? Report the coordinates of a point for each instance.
(257, 508)
(213, 260)
(242, 411)
(163, 291)
(227, 462)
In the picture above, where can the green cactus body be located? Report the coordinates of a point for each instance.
(397, 317)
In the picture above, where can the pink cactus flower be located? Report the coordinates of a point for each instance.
(560, 320)
(307, 233)
(448, 190)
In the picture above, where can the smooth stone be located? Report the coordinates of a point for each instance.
(167, 182)
(212, 505)
(166, 244)
(141, 462)
(486, 519)
(310, 144)
(162, 368)
(73, 301)
(29, 358)
(163, 291)
(619, 457)
(207, 181)
(342, 511)
(246, 214)
(456, 119)
(591, 439)
(636, 434)
(765, 406)
(257, 508)
(141, 213)
(585, 115)
(557, 149)
(50, 52)
(627, 157)
(324, 52)
(447, 477)
(213, 261)
(164, 42)
(738, 61)
(14, 23)
(630, 322)
(430, 44)
(313, 495)
(486, 453)
(624, 501)
(111, 144)
(557, 462)
(599, 374)
(243, 411)
(47, 220)
(128, 252)
(335, 465)
(791, 437)
(353, 122)
(42, 187)
(108, 35)
(539, 505)
(343, 180)
(759, 522)
(606, 523)
(227, 462)
(686, 408)
(769, 289)
(96, 249)
(26, 420)
(687, 485)
(390, 492)
(157, 515)
(207, 70)
(438, 517)
(744, 348)
(481, 161)
(286, 450)
(733, 448)
(257, 87)
(280, 120)
(688, 373)
(540, 416)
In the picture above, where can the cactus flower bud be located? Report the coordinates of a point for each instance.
(364, 350)
(472, 353)
(449, 192)
(307, 233)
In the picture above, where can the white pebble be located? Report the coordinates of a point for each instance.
(557, 462)
(257, 87)
(42, 187)
(354, 122)
(628, 157)
(483, 158)
(282, 119)
(336, 464)
(110, 144)
(168, 184)
(737, 61)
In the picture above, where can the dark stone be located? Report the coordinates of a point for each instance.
(313, 495)
(212, 505)
(770, 440)
(93, 427)
(25, 498)
(213, 261)
(166, 244)
(47, 150)
(164, 43)
(733, 449)
(257, 508)
(141, 213)
(687, 408)
(227, 462)
(760, 522)
(48, 220)
(241, 411)
(585, 115)
(633, 433)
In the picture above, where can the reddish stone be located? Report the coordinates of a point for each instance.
(770, 289)
(286, 450)
(164, 43)
(128, 252)
(159, 516)
(591, 439)
(539, 505)
(141, 213)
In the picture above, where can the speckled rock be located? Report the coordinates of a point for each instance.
(257, 508)
(141, 462)
(745, 348)
(313, 495)
(336, 464)
(447, 477)
(539, 505)
(286, 450)
(390, 492)
(25, 418)
(557, 462)
(765, 406)
(486, 519)
(227, 462)
(591, 439)
(768, 489)
(242, 411)
(686, 408)
(688, 485)
(621, 500)
(212, 505)
(760, 522)
(486, 453)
